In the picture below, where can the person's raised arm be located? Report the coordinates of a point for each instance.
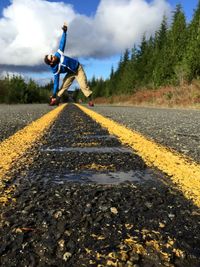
(63, 38)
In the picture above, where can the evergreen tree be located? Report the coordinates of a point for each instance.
(98, 90)
(166, 58)
(192, 56)
(145, 62)
(124, 80)
(177, 44)
(142, 59)
(133, 68)
(111, 83)
(112, 72)
(16, 89)
(32, 94)
(150, 63)
(160, 56)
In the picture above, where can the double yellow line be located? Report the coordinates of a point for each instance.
(184, 173)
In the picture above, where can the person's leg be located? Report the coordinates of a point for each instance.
(82, 80)
(67, 81)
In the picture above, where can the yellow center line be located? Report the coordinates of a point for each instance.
(16, 145)
(184, 172)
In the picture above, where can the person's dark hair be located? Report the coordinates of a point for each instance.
(46, 60)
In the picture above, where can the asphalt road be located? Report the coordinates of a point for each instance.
(15, 117)
(85, 200)
(175, 128)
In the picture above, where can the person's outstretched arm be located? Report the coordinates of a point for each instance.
(63, 38)
(56, 84)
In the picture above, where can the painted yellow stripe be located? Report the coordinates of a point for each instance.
(16, 145)
(184, 172)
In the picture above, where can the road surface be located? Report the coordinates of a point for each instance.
(78, 196)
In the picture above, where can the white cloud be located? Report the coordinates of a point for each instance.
(29, 29)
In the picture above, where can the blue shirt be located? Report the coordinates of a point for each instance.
(65, 65)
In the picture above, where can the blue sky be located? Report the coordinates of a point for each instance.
(89, 7)
(99, 31)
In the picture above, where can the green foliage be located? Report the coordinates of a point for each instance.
(160, 55)
(170, 57)
(15, 90)
(192, 54)
(3, 90)
(177, 40)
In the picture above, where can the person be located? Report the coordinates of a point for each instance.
(61, 63)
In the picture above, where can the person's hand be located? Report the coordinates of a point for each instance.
(64, 27)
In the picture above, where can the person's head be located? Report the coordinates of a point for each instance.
(51, 60)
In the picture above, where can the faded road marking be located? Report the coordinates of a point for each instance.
(183, 172)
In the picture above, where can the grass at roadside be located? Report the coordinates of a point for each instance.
(184, 96)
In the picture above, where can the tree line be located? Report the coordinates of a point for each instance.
(170, 57)
(14, 89)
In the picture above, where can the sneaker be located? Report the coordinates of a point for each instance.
(91, 103)
(52, 101)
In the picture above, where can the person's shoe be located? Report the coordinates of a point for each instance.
(52, 101)
(91, 103)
